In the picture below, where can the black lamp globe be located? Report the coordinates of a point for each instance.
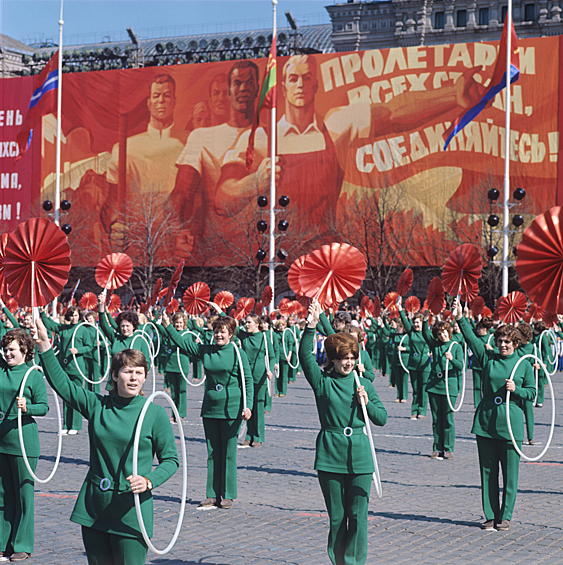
(283, 201)
(493, 220)
(262, 226)
(262, 201)
(519, 194)
(65, 205)
(282, 255)
(517, 220)
(493, 194)
(261, 255)
(283, 225)
(67, 228)
(492, 251)
(47, 205)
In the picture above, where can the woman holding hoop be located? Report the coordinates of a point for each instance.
(105, 507)
(490, 423)
(542, 342)
(69, 357)
(444, 351)
(343, 457)
(266, 327)
(16, 485)
(223, 407)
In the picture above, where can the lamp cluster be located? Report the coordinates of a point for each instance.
(65, 206)
(262, 227)
(493, 220)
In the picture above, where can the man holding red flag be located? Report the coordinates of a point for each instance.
(43, 101)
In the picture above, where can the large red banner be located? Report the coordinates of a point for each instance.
(358, 134)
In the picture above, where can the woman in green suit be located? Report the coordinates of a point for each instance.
(105, 506)
(490, 424)
(222, 409)
(343, 457)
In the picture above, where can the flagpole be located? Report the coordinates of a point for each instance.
(271, 268)
(505, 215)
(59, 109)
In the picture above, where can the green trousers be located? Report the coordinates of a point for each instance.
(443, 425)
(72, 420)
(197, 367)
(477, 394)
(346, 498)
(542, 382)
(495, 453)
(178, 392)
(419, 404)
(400, 377)
(221, 437)
(529, 417)
(103, 548)
(374, 354)
(94, 374)
(16, 504)
(256, 427)
(281, 381)
(268, 404)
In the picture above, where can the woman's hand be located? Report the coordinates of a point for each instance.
(449, 356)
(401, 348)
(73, 350)
(510, 385)
(165, 319)
(138, 483)
(42, 337)
(246, 414)
(270, 374)
(456, 309)
(362, 394)
(22, 404)
(361, 368)
(215, 307)
(314, 314)
(102, 301)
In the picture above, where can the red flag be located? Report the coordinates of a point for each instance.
(43, 101)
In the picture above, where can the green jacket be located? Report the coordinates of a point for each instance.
(119, 342)
(112, 422)
(339, 410)
(419, 354)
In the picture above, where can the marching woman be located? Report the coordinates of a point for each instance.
(544, 353)
(266, 327)
(292, 335)
(490, 426)
(288, 355)
(222, 409)
(16, 484)
(399, 358)
(257, 345)
(482, 331)
(526, 348)
(69, 357)
(443, 350)
(418, 363)
(343, 458)
(105, 507)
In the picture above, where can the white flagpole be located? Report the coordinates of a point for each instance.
(59, 107)
(506, 215)
(271, 277)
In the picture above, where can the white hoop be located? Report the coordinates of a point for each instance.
(180, 364)
(107, 351)
(551, 346)
(184, 473)
(243, 426)
(285, 349)
(149, 323)
(151, 353)
(552, 409)
(20, 431)
(376, 477)
(400, 356)
(462, 384)
(267, 362)
(537, 377)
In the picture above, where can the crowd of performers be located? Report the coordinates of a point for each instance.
(241, 366)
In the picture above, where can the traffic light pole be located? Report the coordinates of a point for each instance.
(272, 250)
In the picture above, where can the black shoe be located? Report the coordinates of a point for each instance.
(503, 526)
(488, 525)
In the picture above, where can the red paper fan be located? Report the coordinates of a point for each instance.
(305, 301)
(4, 292)
(258, 308)
(527, 317)
(244, 307)
(364, 302)
(487, 312)
(283, 307)
(539, 262)
(155, 296)
(469, 294)
(550, 319)
(294, 307)
(332, 273)
(405, 282)
(12, 304)
(36, 262)
(477, 305)
(390, 301)
(114, 270)
(173, 307)
(376, 313)
(273, 316)
(462, 270)
(196, 298)
(446, 314)
(162, 294)
(174, 283)
(435, 296)
(536, 312)
(224, 299)
(113, 304)
(293, 274)
(412, 305)
(267, 296)
(144, 308)
(511, 308)
(393, 314)
(89, 301)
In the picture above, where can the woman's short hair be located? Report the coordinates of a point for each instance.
(25, 341)
(418, 316)
(526, 331)
(128, 316)
(484, 323)
(254, 318)
(540, 326)
(179, 316)
(126, 358)
(351, 329)
(440, 326)
(70, 312)
(509, 332)
(225, 322)
(339, 346)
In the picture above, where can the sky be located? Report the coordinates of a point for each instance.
(89, 21)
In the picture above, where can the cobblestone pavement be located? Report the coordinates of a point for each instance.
(430, 511)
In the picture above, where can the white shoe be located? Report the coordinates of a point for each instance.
(72, 432)
(64, 432)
